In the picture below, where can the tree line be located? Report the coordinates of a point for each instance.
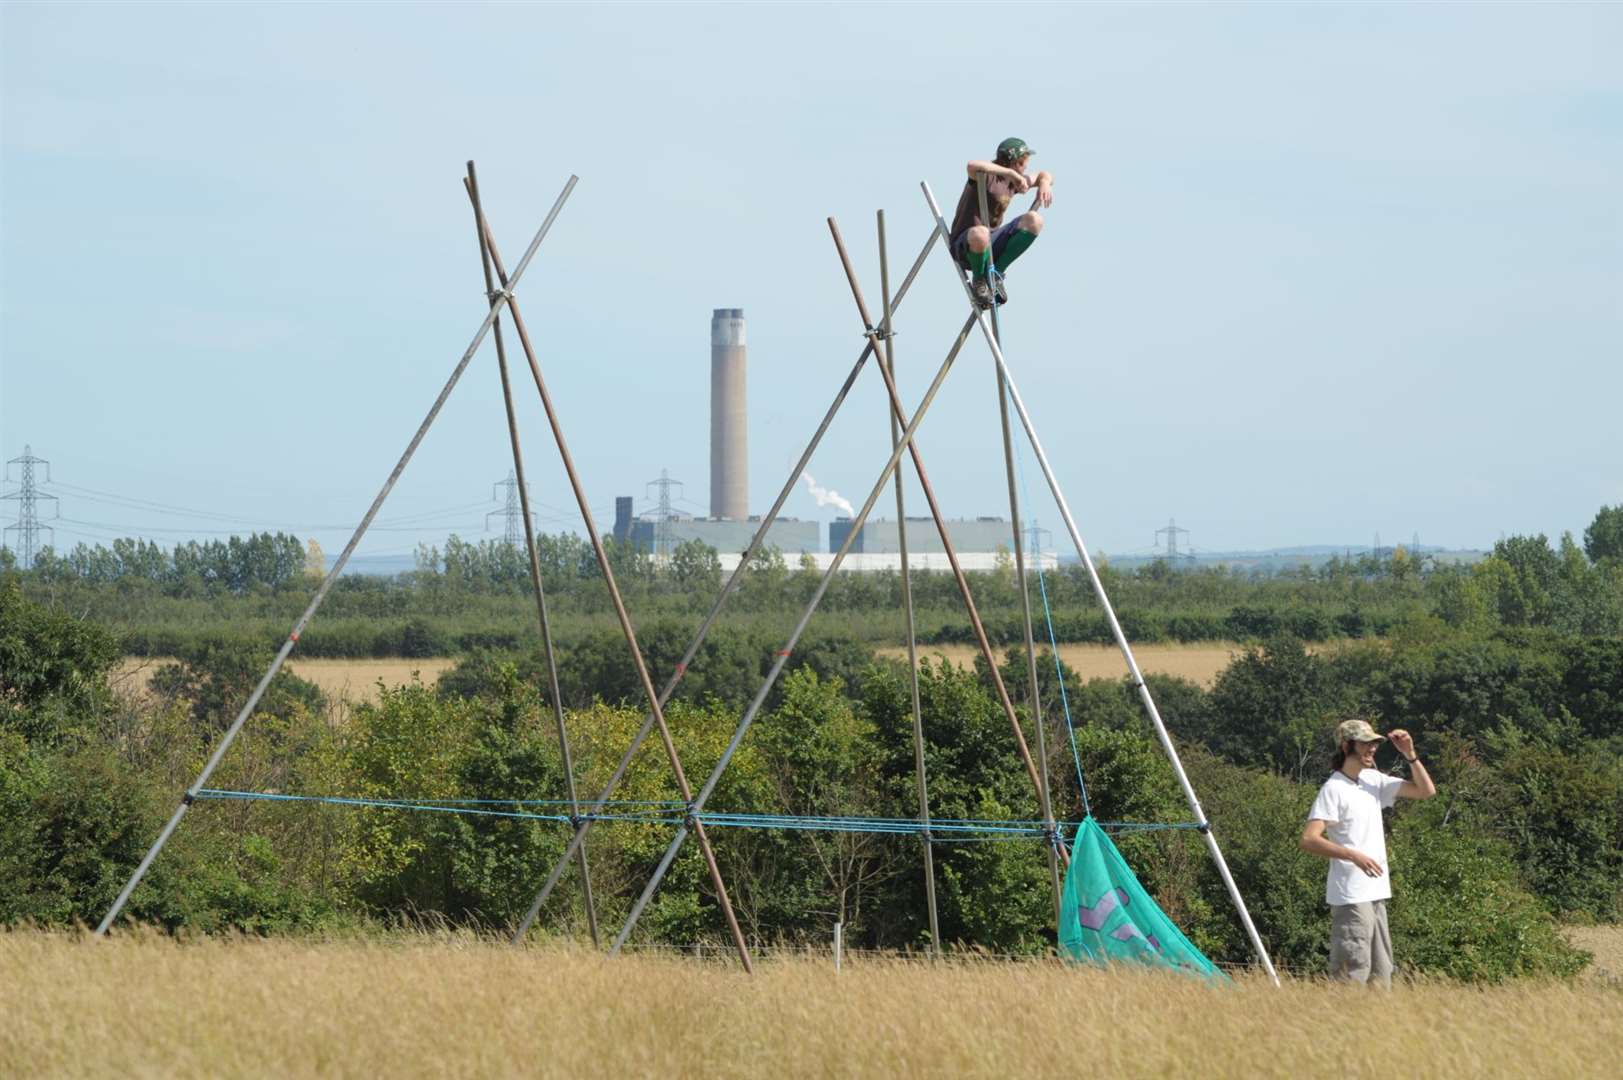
(1522, 725)
(470, 596)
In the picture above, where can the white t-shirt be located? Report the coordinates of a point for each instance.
(1351, 811)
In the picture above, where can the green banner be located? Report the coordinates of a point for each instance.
(1106, 917)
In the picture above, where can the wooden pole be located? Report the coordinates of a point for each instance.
(471, 185)
(920, 774)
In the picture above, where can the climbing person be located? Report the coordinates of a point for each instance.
(986, 248)
(1345, 827)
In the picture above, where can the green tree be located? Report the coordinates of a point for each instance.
(1604, 537)
(1565, 813)
(696, 568)
(216, 678)
(1272, 708)
(53, 667)
(1527, 590)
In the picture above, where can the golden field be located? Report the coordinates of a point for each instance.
(1197, 662)
(357, 680)
(442, 1005)
(348, 680)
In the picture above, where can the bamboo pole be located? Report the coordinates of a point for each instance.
(921, 776)
(952, 560)
(471, 185)
(230, 735)
(623, 616)
(1020, 573)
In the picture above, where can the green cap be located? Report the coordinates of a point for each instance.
(1357, 731)
(1013, 149)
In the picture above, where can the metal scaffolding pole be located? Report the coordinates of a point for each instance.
(230, 735)
(1056, 852)
(921, 776)
(1110, 615)
(471, 185)
(1020, 565)
(621, 614)
(727, 590)
(782, 660)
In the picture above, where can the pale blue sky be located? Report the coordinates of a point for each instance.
(1312, 272)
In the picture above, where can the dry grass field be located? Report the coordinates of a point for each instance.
(357, 680)
(350, 680)
(1199, 663)
(1605, 943)
(143, 1005)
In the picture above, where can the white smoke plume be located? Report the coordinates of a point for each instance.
(829, 497)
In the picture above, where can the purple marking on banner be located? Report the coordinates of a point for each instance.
(1093, 918)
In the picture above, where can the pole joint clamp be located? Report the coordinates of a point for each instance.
(1204, 828)
(187, 799)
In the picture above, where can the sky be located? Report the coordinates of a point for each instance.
(1312, 272)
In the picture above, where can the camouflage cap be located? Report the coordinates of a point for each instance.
(1013, 150)
(1357, 731)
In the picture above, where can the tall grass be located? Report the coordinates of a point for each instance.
(426, 1005)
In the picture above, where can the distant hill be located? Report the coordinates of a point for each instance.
(1282, 558)
(382, 565)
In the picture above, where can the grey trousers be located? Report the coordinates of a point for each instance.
(1360, 943)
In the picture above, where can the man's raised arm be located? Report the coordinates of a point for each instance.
(1419, 785)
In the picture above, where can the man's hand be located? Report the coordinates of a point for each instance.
(1314, 842)
(1021, 182)
(1363, 862)
(1045, 191)
(1420, 785)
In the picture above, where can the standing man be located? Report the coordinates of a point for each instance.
(1345, 827)
(977, 243)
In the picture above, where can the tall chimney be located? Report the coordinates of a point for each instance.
(729, 432)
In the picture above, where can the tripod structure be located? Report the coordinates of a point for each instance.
(692, 817)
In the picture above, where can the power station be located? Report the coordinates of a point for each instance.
(730, 525)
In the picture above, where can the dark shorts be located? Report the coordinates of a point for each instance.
(1000, 241)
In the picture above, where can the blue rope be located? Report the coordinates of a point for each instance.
(388, 804)
(950, 830)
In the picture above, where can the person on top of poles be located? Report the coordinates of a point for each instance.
(986, 248)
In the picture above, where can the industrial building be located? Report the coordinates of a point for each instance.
(791, 536)
(879, 536)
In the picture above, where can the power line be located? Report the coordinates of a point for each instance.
(28, 497)
(126, 502)
(662, 523)
(1172, 530)
(512, 511)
